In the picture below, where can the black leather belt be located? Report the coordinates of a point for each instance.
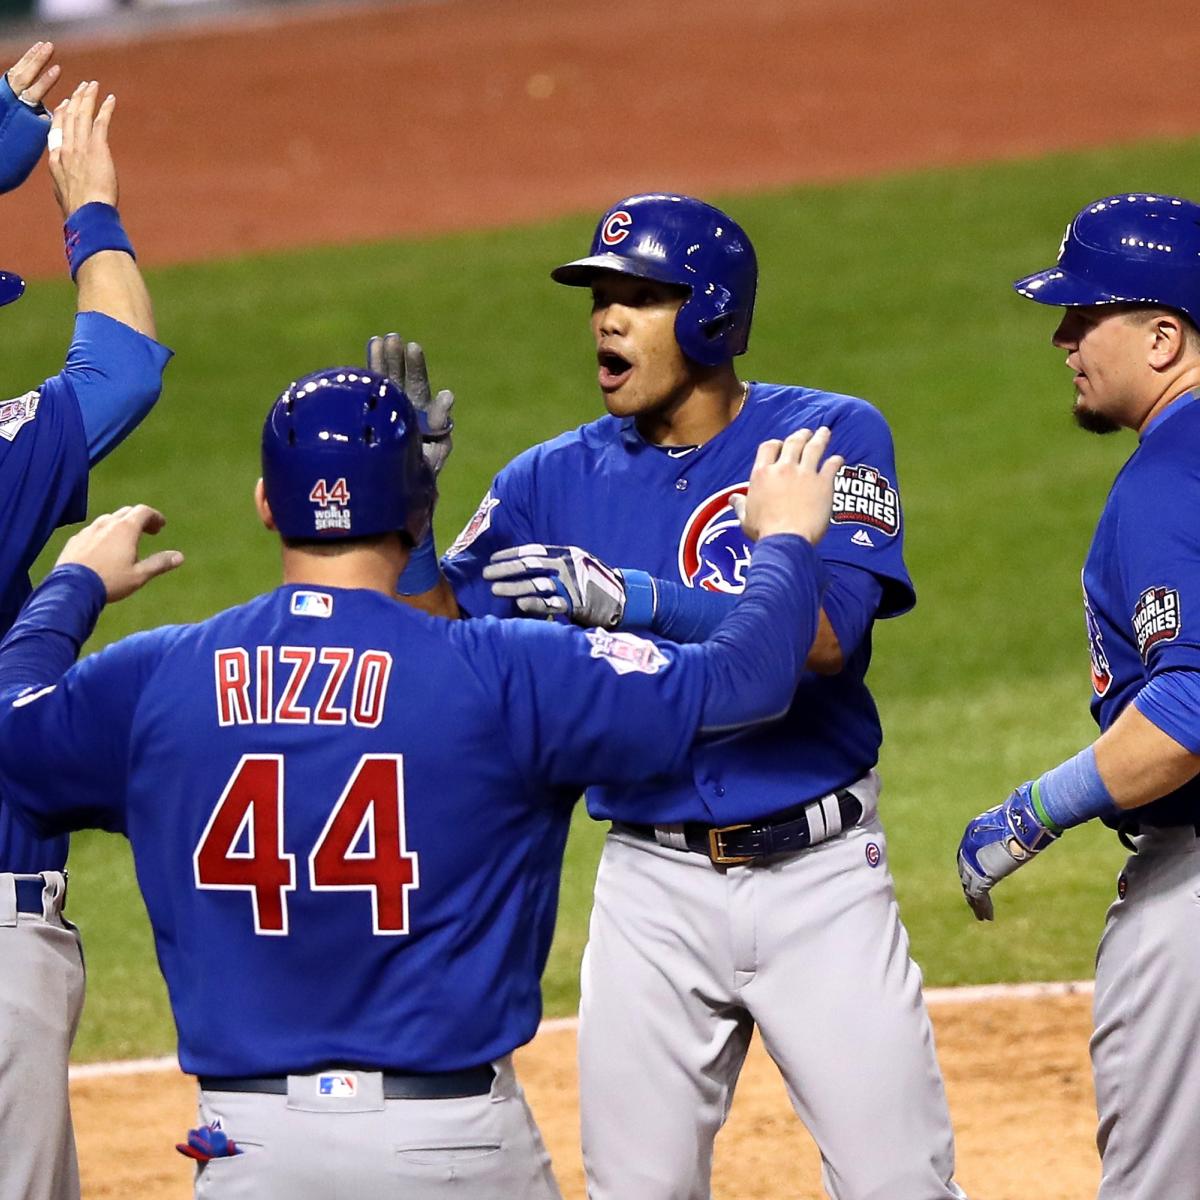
(29, 896)
(786, 832)
(441, 1085)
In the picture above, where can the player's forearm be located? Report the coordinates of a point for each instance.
(53, 625)
(1139, 762)
(756, 657)
(438, 601)
(110, 282)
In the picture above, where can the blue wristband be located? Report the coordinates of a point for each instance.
(1072, 793)
(90, 229)
(422, 572)
(641, 600)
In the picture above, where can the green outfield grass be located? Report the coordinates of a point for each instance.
(896, 290)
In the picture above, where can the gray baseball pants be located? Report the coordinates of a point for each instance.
(41, 998)
(1146, 1010)
(302, 1146)
(685, 959)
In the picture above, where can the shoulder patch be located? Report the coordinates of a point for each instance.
(478, 524)
(1156, 618)
(863, 495)
(625, 652)
(16, 413)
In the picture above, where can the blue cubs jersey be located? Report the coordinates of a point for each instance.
(1141, 581)
(347, 818)
(666, 511)
(44, 460)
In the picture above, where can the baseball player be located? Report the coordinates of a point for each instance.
(348, 817)
(750, 886)
(1128, 277)
(49, 437)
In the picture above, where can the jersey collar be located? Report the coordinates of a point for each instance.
(1176, 405)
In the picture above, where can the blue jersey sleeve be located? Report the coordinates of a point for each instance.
(116, 375)
(1158, 543)
(594, 706)
(867, 527)
(500, 521)
(82, 724)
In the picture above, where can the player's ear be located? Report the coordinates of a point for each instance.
(264, 509)
(1169, 339)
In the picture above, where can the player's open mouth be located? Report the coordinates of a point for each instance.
(614, 370)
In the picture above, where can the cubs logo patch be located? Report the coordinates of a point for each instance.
(342, 1086)
(874, 854)
(17, 413)
(478, 524)
(616, 228)
(714, 553)
(1156, 618)
(864, 496)
(332, 509)
(626, 653)
(1101, 671)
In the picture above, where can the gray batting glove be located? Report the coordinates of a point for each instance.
(404, 364)
(551, 581)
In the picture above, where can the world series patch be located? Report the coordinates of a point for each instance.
(16, 413)
(864, 496)
(478, 524)
(1156, 618)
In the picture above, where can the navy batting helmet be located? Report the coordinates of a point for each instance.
(341, 458)
(675, 239)
(1136, 249)
(12, 287)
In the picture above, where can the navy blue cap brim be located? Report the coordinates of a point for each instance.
(12, 287)
(1062, 289)
(582, 271)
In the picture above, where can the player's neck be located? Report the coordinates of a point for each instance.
(708, 405)
(373, 568)
(1185, 382)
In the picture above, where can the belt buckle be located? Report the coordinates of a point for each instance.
(716, 847)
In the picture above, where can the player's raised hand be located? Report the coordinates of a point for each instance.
(791, 489)
(81, 163)
(33, 74)
(109, 546)
(404, 364)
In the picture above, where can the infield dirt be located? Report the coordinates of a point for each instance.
(349, 123)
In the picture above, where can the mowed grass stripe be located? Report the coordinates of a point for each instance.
(896, 289)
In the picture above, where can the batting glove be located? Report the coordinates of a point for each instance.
(553, 581)
(208, 1142)
(404, 364)
(996, 843)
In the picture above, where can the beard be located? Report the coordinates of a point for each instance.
(1092, 421)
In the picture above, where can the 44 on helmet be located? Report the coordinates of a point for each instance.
(678, 240)
(1134, 248)
(341, 458)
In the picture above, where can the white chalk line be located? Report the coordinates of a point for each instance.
(934, 997)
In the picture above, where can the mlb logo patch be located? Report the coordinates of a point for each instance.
(1156, 618)
(312, 604)
(17, 413)
(478, 524)
(339, 1086)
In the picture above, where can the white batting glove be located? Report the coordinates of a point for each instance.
(550, 581)
(404, 364)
